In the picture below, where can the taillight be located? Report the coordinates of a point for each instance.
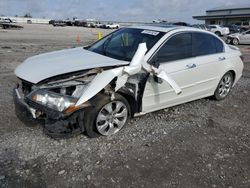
(242, 58)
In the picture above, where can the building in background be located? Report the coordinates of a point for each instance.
(227, 15)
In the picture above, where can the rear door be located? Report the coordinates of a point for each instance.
(210, 59)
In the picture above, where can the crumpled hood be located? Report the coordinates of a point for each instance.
(40, 67)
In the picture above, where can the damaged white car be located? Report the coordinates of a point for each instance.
(130, 72)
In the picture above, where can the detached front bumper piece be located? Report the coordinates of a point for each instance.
(55, 124)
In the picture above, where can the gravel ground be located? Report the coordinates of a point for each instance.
(204, 143)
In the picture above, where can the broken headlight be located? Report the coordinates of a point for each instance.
(53, 100)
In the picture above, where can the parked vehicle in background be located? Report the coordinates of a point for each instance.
(180, 23)
(98, 25)
(80, 23)
(5, 20)
(69, 23)
(244, 25)
(233, 28)
(159, 21)
(59, 23)
(219, 30)
(200, 26)
(239, 38)
(51, 22)
(111, 26)
(130, 72)
(90, 24)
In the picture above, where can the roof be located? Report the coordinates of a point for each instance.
(167, 29)
(230, 7)
(161, 28)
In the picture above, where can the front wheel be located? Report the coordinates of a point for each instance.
(107, 117)
(235, 41)
(218, 33)
(224, 86)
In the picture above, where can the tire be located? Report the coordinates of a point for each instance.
(224, 87)
(98, 121)
(218, 33)
(235, 41)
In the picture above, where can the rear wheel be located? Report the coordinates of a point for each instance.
(224, 86)
(107, 117)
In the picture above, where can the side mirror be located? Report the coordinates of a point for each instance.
(154, 61)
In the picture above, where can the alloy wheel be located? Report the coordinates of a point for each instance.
(225, 85)
(111, 118)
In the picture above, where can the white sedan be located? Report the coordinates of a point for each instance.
(239, 38)
(112, 26)
(219, 30)
(130, 72)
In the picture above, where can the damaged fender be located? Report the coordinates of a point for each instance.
(122, 73)
(102, 79)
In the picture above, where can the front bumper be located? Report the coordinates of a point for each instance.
(56, 124)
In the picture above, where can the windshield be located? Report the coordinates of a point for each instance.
(122, 44)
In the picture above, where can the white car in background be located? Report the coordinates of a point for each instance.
(239, 38)
(5, 20)
(98, 25)
(112, 26)
(130, 72)
(219, 30)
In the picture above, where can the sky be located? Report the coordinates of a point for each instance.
(114, 10)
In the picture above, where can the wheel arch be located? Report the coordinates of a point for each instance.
(234, 74)
(133, 105)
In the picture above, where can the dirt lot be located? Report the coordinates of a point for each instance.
(204, 143)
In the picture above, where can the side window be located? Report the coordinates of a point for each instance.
(204, 44)
(176, 48)
(248, 32)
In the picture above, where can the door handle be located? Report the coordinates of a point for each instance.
(190, 66)
(222, 58)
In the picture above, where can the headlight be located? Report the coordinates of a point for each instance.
(53, 100)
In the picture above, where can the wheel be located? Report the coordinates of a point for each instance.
(224, 86)
(218, 33)
(235, 41)
(228, 41)
(107, 117)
